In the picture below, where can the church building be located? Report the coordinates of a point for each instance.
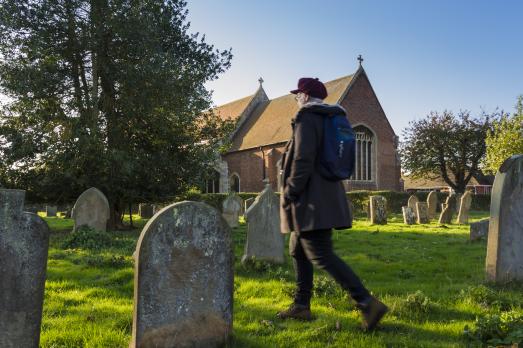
(264, 127)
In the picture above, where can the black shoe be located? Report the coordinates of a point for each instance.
(372, 312)
(296, 311)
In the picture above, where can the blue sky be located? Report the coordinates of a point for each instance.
(419, 55)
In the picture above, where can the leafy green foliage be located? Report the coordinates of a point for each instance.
(108, 94)
(505, 139)
(446, 145)
(497, 329)
(88, 238)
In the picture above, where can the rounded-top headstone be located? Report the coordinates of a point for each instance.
(91, 209)
(183, 279)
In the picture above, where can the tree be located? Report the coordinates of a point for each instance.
(505, 139)
(105, 93)
(447, 146)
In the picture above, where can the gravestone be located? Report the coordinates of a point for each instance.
(408, 215)
(457, 201)
(451, 202)
(368, 210)
(232, 207)
(464, 207)
(432, 201)
(412, 204)
(24, 241)
(91, 209)
(378, 210)
(248, 203)
(183, 283)
(50, 210)
(446, 214)
(479, 230)
(264, 238)
(145, 210)
(505, 236)
(422, 212)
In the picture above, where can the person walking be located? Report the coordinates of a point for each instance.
(311, 206)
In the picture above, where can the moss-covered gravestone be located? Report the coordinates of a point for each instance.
(505, 236)
(378, 210)
(24, 241)
(232, 208)
(183, 282)
(409, 217)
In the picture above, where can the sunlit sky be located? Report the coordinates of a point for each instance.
(419, 55)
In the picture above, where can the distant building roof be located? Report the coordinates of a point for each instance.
(429, 182)
(270, 121)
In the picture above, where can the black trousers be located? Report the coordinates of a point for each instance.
(315, 248)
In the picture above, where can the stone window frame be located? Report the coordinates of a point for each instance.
(231, 181)
(374, 155)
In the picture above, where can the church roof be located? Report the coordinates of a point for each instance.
(234, 109)
(270, 122)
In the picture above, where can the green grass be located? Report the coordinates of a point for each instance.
(431, 277)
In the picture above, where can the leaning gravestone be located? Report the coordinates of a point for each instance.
(91, 209)
(457, 200)
(50, 210)
(248, 203)
(378, 210)
(464, 207)
(408, 215)
(412, 204)
(232, 207)
(505, 236)
(479, 229)
(432, 201)
(183, 283)
(264, 239)
(422, 212)
(146, 211)
(452, 202)
(24, 241)
(446, 214)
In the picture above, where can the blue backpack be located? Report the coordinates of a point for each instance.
(338, 152)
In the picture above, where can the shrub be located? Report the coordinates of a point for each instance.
(497, 329)
(87, 238)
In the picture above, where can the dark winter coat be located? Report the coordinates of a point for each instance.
(309, 201)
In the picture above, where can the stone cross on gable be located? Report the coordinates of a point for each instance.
(260, 80)
(360, 59)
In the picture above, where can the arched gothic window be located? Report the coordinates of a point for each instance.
(363, 170)
(212, 184)
(235, 182)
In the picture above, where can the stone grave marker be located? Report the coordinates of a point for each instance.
(378, 210)
(91, 209)
(183, 283)
(145, 210)
(232, 207)
(457, 202)
(451, 201)
(504, 260)
(422, 210)
(412, 204)
(408, 215)
(479, 229)
(248, 203)
(464, 207)
(432, 202)
(264, 238)
(24, 241)
(51, 210)
(446, 214)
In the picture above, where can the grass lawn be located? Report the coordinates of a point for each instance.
(431, 277)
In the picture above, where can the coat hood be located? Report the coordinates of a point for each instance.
(324, 109)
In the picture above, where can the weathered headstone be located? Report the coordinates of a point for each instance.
(412, 204)
(264, 239)
(24, 241)
(432, 201)
(457, 201)
(91, 209)
(145, 210)
(479, 229)
(232, 207)
(505, 237)
(446, 214)
(50, 210)
(368, 210)
(408, 215)
(248, 203)
(464, 207)
(422, 212)
(183, 279)
(378, 210)
(452, 202)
